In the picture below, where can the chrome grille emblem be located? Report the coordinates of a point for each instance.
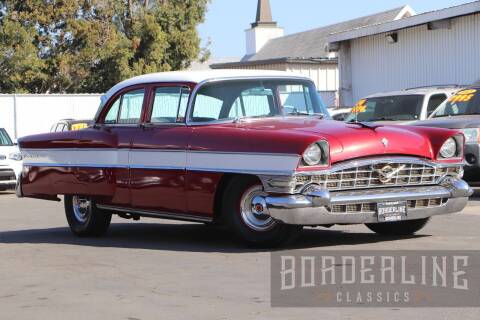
(387, 173)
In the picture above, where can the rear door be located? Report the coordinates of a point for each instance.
(158, 156)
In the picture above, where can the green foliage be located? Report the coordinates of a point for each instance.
(89, 45)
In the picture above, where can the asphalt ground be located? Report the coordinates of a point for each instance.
(159, 269)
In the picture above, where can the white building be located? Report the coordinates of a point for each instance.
(25, 114)
(306, 52)
(434, 48)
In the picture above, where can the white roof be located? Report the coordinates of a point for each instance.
(197, 77)
(417, 91)
(416, 20)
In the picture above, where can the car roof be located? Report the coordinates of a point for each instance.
(199, 76)
(416, 91)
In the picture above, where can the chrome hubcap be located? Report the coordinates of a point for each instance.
(253, 210)
(81, 208)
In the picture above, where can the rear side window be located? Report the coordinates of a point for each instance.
(127, 109)
(169, 105)
(434, 102)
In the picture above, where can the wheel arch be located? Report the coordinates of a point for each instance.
(220, 192)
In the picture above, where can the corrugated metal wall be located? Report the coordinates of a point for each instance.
(420, 57)
(325, 76)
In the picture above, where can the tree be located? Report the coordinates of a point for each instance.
(89, 45)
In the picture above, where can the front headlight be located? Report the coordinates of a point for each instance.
(449, 149)
(316, 154)
(17, 156)
(471, 135)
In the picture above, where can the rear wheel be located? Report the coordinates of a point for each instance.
(247, 216)
(84, 218)
(400, 228)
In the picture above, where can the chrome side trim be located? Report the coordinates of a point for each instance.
(157, 214)
(165, 159)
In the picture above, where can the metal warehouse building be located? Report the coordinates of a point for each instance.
(434, 48)
(305, 52)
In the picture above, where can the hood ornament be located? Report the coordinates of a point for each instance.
(385, 142)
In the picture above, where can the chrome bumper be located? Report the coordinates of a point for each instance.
(311, 207)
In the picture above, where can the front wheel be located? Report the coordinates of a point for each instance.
(84, 218)
(400, 228)
(251, 223)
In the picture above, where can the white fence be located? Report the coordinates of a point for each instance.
(25, 114)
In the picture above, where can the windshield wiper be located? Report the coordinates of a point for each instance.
(364, 124)
(385, 119)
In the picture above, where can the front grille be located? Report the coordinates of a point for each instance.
(7, 175)
(371, 207)
(379, 175)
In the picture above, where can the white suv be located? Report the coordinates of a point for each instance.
(401, 107)
(10, 162)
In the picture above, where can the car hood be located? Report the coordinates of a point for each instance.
(455, 122)
(348, 141)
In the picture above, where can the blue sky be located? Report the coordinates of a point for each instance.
(227, 20)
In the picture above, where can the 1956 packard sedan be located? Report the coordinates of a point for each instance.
(254, 150)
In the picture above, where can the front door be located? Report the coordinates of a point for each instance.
(158, 155)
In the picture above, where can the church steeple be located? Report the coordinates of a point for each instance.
(264, 15)
(263, 29)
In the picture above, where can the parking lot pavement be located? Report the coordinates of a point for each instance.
(157, 269)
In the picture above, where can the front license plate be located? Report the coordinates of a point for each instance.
(392, 211)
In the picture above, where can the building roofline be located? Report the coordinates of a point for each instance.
(413, 21)
(273, 61)
(402, 10)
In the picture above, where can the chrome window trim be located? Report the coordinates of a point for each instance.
(193, 94)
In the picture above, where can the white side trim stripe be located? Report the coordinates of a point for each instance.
(258, 163)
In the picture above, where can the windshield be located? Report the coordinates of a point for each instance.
(394, 108)
(232, 100)
(463, 103)
(4, 138)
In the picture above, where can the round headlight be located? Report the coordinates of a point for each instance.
(313, 155)
(449, 149)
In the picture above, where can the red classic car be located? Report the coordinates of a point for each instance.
(254, 150)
